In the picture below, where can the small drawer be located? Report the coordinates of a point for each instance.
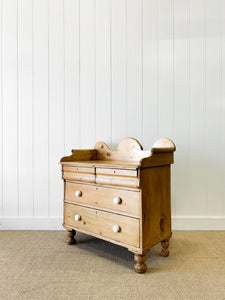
(129, 182)
(84, 177)
(115, 199)
(78, 169)
(117, 172)
(116, 227)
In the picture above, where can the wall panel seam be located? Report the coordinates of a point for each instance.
(157, 33)
(205, 135)
(126, 68)
(221, 94)
(110, 40)
(142, 69)
(79, 80)
(1, 108)
(64, 78)
(189, 92)
(33, 97)
(17, 108)
(95, 11)
(48, 118)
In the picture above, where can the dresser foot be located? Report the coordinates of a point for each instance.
(70, 234)
(165, 244)
(140, 266)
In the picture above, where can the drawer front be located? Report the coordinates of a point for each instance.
(116, 227)
(84, 177)
(77, 173)
(132, 182)
(103, 197)
(117, 172)
(79, 169)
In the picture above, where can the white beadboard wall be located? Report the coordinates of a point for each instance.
(73, 72)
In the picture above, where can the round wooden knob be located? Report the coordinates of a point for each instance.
(116, 228)
(117, 200)
(77, 217)
(78, 193)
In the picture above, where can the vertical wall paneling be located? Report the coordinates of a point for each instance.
(87, 72)
(25, 108)
(150, 73)
(118, 69)
(103, 71)
(56, 104)
(134, 68)
(10, 120)
(1, 117)
(166, 109)
(182, 103)
(213, 106)
(223, 95)
(41, 107)
(77, 71)
(166, 92)
(72, 71)
(197, 106)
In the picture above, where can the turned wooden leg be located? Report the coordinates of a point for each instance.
(140, 266)
(70, 234)
(165, 244)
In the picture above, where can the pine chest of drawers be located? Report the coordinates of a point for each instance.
(120, 196)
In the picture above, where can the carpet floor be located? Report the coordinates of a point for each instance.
(40, 265)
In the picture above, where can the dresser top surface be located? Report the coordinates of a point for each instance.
(104, 164)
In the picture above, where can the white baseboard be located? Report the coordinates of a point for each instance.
(31, 223)
(55, 223)
(198, 223)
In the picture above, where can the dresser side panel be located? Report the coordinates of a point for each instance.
(156, 205)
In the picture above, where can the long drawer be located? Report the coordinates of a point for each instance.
(102, 197)
(116, 227)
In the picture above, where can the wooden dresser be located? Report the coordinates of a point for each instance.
(121, 196)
